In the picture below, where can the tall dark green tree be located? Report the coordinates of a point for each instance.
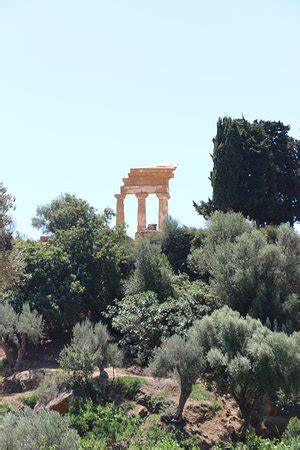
(255, 172)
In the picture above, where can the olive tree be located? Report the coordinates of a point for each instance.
(245, 359)
(255, 277)
(91, 347)
(28, 430)
(181, 358)
(221, 228)
(16, 330)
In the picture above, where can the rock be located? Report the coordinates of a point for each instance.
(60, 403)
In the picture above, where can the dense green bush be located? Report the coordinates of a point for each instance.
(28, 430)
(143, 320)
(152, 270)
(103, 425)
(246, 359)
(176, 242)
(247, 272)
(128, 386)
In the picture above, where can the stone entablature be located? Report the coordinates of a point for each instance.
(144, 181)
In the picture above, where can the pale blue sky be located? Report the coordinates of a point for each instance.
(91, 88)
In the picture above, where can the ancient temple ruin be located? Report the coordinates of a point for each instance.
(142, 182)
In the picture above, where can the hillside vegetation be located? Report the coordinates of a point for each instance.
(181, 339)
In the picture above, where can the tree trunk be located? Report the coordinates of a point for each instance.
(21, 350)
(185, 392)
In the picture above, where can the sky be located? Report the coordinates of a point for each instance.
(89, 89)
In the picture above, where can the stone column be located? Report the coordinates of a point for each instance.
(141, 217)
(163, 208)
(120, 216)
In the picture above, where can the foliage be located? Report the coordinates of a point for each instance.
(90, 348)
(152, 271)
(4, 408)
(176, 243)
(16, 330)
(143, 320)
(246, 359)
(32, 431)
(255, 171)
(51, 385)
(221, 229)
(181, 357)
(103, 425)
(290, 440)
(128, 386)
(249, 271)
(255, 277)
(30, 400)
(164, 438)
(11, 260)
(79, 270)
(199, 393)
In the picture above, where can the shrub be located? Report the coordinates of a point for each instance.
(51, 385)
(143, 320)
(4, 407)
(152, 271)
(164, 438)
(246, 359)
(103, 425)
(13, 386)
(161, 403)
(34, 431)
(31, 400)
(128, 386)
(292, 432)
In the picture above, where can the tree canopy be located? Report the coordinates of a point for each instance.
(246, 359)
(255, 171)
(79, 270)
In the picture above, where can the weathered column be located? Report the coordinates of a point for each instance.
(120, 216)
(163, 208)
(141, 216)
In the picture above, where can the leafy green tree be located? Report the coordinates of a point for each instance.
(11, 261)
(35, 431)
(90, 348)
(66, 212)
(79, 270)
(180, 357)
(152, 271)
(16, 330)
(246, 359)
(255, 171)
